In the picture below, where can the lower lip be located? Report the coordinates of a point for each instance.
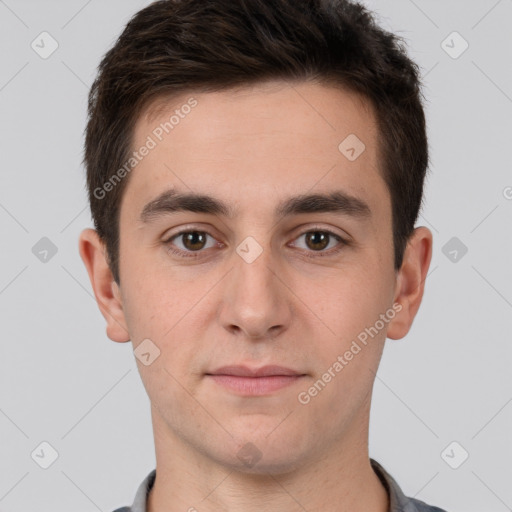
(255, 385)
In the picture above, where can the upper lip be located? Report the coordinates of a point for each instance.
(263, 371)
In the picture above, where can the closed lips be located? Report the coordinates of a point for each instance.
(264, 371)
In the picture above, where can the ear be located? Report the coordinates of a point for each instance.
(107, 293)
(410, 282)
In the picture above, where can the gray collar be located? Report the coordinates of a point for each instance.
(398, 502)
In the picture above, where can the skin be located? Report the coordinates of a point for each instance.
(252, 148)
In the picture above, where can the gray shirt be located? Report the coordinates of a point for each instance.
(398, 502)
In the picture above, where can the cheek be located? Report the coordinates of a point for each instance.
(355, 310)
(171, 314)
(348, 359)
(349, 300)
(153, 299)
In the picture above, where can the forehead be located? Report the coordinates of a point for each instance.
(249, 145)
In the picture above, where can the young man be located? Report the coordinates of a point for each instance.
(255, 170)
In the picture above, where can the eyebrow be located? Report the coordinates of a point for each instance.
(337, 201)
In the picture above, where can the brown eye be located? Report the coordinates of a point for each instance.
(193, 240)
(317, 240)
(320, 242)
(190, 243)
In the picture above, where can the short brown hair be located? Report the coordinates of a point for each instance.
(173, 46)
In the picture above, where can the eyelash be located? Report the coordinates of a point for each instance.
(308, 254)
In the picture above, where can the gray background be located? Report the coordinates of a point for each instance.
(64, 382)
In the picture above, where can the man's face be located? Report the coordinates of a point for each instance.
(259, 288)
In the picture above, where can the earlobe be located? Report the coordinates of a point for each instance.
(411, 281)
(93, 254)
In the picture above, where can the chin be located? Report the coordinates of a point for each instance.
(267, 465)
(263, 454)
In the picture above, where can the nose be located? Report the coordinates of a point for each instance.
(256, 300)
